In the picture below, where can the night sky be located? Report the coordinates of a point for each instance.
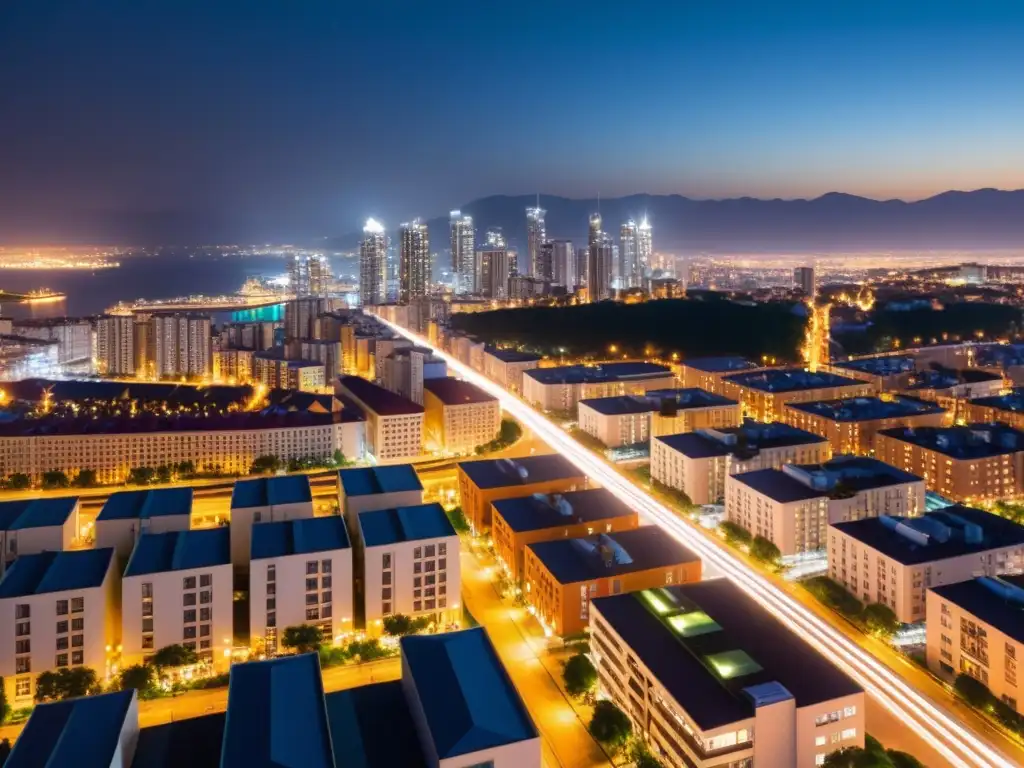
(294, 118)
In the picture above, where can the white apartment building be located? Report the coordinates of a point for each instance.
(459, 416)
(698, 462)
(300, 573)
(182, 346)
(115, 345)
(560, 389)
(710, 679)
(73, 337)
(363, 489)
(506, 367)
(410, 565)
(394, 424)
(29, 526)
(178, 590)
(126, 515)
(894, 560)
(57, 610)
(405, 370)
(265, 500)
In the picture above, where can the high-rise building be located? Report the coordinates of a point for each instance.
(595, 234)
(582, 264)
(496, 238)
(644, 250)
(628, 275)
(536, 236)
(373, 264)
(115, 345)
(463, 252)
(563, 264)
(319, 274)
(493, 268)
(599, 269)
(803, 278)
(543, 267)
(308, 275)
(298, 275)
(414, 261)
(182, 346)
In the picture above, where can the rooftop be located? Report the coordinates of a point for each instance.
(159, 502)
(619, 405)
(709, 644)
(34, 390)
(46, 572)
(373, 725)
(180, 551)
(974, 441)
(539, 511)
(271, 491)
(599, 372)
(743, 441)
(83, 732)
(391, 526)
(36, 513)
(452, 391)
(779, 486)
(945, 378)
(889, 365)
(846, 475)
(499, 473)
(467, 697)
(193, 741)
(364, 481)
(277, 715)
(611, 554)
(997, 601)
(868, 408)
(1011, 401)
(719, 364)
(378, 399)
(512, 355)
(939, 535)
(790, 380)
(298, 537)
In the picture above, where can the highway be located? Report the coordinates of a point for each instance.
(957, 744)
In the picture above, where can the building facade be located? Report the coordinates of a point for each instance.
(414, 261)
(459, 416)
(373, 264)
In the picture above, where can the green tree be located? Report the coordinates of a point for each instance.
(641, 756)
(164, 473)
(5, 708)
(339, 458)
(264, 464)
(186, 469)
(856, 757)
(973, 691)
(368, 650)
(458, 520)
(141, 677)
(55, 479)
(398, 624)
(579, 675)
(86, 478)
(903, 759)
(141, 475)
(881, 620)
(19, 481)
(303, 638)
(734, 533)
(765, 550)
(173, 656)
(65, 683)
(610, 725)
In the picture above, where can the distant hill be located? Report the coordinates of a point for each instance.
(984, 218)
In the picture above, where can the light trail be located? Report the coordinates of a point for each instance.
(957, 743)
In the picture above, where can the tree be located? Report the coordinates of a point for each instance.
(855, 757)
(764, 550)
(141, 677)
(610, 725)
(86, 478)
(19, 481)
(458, 520)
(903, 760)
(398, 624)
(302, 637)
(339, 458)
(641, 756)
(65, 683)
(368, 650)
(579, 675)
(881, 620)
(55, 479)
(164, 473)
(186, 469)
(734, 533)
(5, 708)
(173, 656)
(973, 691)
(141, 475)
(264, 464)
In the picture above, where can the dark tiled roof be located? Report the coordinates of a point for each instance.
(747, 439)
(271, 491)
(390, 526)
(364, 481)
(372, 727)
(45, 572)
(512, 356)
(530, 513)
(158, 502)
(790, 380)
(298, 537)
(377, 398)
(498, 473)
(452, 391)
(579, 374)
(36, 513)
(619, 405)
(180, 551)
(986, 602)
(719, 364)
(778, 486)
(868, 408)
(975, 441)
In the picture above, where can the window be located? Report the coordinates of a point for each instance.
(271, 572)
(147, 642)
(204, 630)
(417, 605)
(271, 589)
(190, 616)
(441, 564)
(325, 597)
(78, 625)
(205, 579)
(325, 582)
(62, 608)
(62, 627)
(312, 614)
(312, 566)
(62, 643)
(204, 614)
(62, 660)
(442, 549)
(147, 625)
(204, 645)
(23, 687)
(189, 582)
(271, 619)
(189, 599)
(325, 566)
(849, 733)
(78, 657)
(385, 608)
(417, 567)
(311, 599)
(257, 517)
(429, 550)
(417, 553)
(311, 584)
(23, 629)
(325, 612)
(819, 759)
(23, 646)
(147, 590)
(23, 665)
(206, 597)
(849, 712)
(190, 632)
(386, 561)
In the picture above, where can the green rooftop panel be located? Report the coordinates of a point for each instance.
(693, 623)
(730, 664)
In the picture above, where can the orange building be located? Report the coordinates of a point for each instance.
(1005, 409)
(850, 425)
(706, 372)
(487, 480)
(517, 522)
(763, 394)
(562, 577)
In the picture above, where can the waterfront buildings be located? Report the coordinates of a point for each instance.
(115, 345)
(394, 424)
(463, 252)
(373, 264)
(459, 416)
(560, 389)
(414, 261)
(182, 346)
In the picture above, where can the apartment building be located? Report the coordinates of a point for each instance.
(28, 526)
(58, 610)
(710, 678)
(561, 388)
(793, 506)
(405, 370)
(895, 560)
(764, 394)
(74, 337)
(182, 346)
(233, 366)
(115, 345)
(484, 481)
(459, 416)
(410, 565)
(126, 515)
(851, 424)
(363, 489)
(963, 463)
(697, 463)
(394, 424)
(976, 627)
(1005, 409)
(889, 373)
(562, 577)
(177, 590)
(278, 373)
(949, 387)
(523, 520)
(265, 500)
(706, 372)
(507, 366)
(300, 573)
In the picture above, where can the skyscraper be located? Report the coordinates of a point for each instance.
(644, 251)
(543, 268)
(595, 229)
(182, 346)
(599, 269)
(308, 275)
(582, 265)
(414, 261)
(115, 345)
(463, 253)
(298, 275)
(803, 278)
(319, 274)
(496, 238)
(627, 262)
(373, 264)
(536, 236)
(563, 264)
(493, 270)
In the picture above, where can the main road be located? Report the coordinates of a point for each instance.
(958, 745)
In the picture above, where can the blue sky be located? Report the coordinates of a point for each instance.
(295, 118)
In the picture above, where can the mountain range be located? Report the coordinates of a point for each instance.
(836, 222)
